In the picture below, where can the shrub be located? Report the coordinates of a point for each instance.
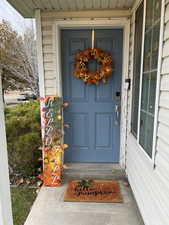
(23, 138)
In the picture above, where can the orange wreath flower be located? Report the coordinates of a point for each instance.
(93, 77)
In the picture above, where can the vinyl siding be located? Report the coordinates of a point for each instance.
(151, 185)
(48, 56)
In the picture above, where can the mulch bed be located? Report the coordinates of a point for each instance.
(18, 180)
(93, 191)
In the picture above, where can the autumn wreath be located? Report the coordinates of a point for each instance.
(93, 77)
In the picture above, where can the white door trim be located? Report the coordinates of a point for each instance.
(100, 23)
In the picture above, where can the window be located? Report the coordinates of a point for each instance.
(148, 76)
(136, 68)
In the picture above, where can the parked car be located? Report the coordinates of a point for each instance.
(31, 96)
(26, 96)
(22, 97)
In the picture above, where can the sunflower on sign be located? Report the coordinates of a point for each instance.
(102, 73)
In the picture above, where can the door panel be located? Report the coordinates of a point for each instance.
(94, 133)
(103, 123)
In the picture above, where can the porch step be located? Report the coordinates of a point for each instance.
(93, 171)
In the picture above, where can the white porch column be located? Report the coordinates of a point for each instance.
(5, 200)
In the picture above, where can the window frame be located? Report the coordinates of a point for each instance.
(158, 80)
(132, 69)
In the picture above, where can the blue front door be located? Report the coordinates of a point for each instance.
(94, 133)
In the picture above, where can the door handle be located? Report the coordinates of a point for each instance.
(117, 112)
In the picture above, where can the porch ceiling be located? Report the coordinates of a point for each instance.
(27, 7)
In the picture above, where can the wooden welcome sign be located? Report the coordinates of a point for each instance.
(53, 149)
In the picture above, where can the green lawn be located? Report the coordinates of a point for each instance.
(22, 200)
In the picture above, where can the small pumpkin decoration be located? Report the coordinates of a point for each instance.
(102, 73)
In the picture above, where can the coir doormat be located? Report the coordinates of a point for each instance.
(93, 191)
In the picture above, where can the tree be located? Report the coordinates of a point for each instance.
(18, 58)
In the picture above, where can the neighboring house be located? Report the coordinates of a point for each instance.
(136, 33)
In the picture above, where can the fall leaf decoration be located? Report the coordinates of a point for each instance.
(53, 148)
(102, 73)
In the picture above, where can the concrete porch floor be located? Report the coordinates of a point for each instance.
(50, 209)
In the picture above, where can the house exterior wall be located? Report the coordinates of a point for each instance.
(151, 184)
(50, 24)
(50, 79)
(48, 20)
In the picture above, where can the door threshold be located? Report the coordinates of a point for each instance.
(93, 166)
